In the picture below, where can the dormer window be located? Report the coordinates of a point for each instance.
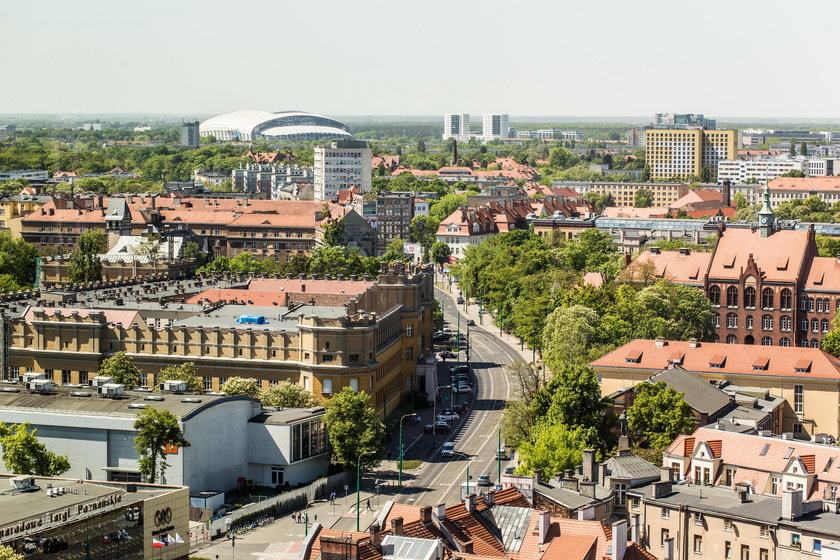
(717, 361)
(802, 366)
(633, 357)
(476, 227)
(675, 358)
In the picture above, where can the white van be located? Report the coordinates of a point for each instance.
(448, 449)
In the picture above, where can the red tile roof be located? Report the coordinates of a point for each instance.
(676, 267)
(807, 184)
(735, 245)
(737, 359)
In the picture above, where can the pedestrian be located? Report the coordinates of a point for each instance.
(296, 517)
(368, 505)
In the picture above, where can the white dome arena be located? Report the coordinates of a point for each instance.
(283, 125)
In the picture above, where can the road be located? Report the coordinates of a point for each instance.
(476, 435)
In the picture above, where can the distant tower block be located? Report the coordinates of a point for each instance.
(189, 134)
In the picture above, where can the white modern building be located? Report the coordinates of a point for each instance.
(246, 126)
(575, 135)
(495, 127)
(230, 437)
(456, 126)
(28, 174)
(759, 170)
(341, 165)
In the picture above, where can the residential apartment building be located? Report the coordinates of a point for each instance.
(540, 134)
(390, 215)
(768, 285)
(571, 135)
(13, 208)
(189, 134)
(624, 194)
(808, 379)
(28, 174)
(341, 165)
(495, 127)
(686, 152)
(456, 126)
(756, 170)
(321, 336)
(826, 189)
(737, 496)
(271, 181)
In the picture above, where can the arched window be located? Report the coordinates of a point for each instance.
(819, 305)
(476, 227)
(815, 343)
(716, 320)
(825, 325)
(732, 296)
(786, 323)
(767, 298)
(803, 343)
(731, 320)
(803, 303)
(837, 305)
(786, 299)
(714, 295)
(731, 339)
(766, 341)
(749, 297)
(827, 305)
(767, 322)
(804, 325)
(815, 325)
(749, 322)
(784, 342)
(810, 304)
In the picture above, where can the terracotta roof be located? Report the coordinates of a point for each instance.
(674, 266)
(464, 527)
(688, 447)
(735, 245)
(125, 317)
(595, 279)
(716, 447)
(808, 461)
(725, 211)
(571, 547)
(757, 479)
(510, 496)
(636, 552)
(737, 359)
(622, 212)
(807, 184)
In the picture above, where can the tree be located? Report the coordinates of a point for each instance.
(241, 386)
(706, 175)
(7, 553)
(192, 252)
(85, 265)
(573, 396)
(24, 454)
(599, 200)
(158, 430)
(288, 395)
(555, 448)
(643, 198)
(646, 173)
(354, 428)
(440, 252)
(793, 173)
(394, 252)
(792, 152)
(380, 169)
(589, 250)
(446, 205)
(831, 340)
(739, 200)
(9, 284)
(519, 419)
(423, 230)
(183, 372)
(17, 259)
(121, 367)
(333, 228)
(659, 414)
(562, 158)
(803, 149)
(571, 335)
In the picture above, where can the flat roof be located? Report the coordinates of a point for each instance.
(65, 399)
(225, 316)
(287, 415)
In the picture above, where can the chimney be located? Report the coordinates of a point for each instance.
(666, 474)
(660, 342)
(303, 288)
(490, 498)
(426, 514)
(662, 488)
(469, 503)
(587, 489)
(467, 547)
(338, 548)
(619, 539)
(537, 476)
(623, 446)
(375, 535)
(589, 465)
(726, 193)
(440, 511)
(692, 343)
(634, 528)
(570, 484)
(544, 524)
(397, 526)
(791, 504)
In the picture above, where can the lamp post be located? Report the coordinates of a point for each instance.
(499, 456)
(467, 479)
(401, 444)
(434, 407)
(359, 484)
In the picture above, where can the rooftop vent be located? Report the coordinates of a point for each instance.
(10, 390)
(112, 390)
(173, 386)
(191, 400)
(80, 394)
(137, 405)
(153, 398)
(101, 380)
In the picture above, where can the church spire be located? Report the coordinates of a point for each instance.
(765, 215)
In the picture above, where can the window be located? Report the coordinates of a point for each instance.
(795, 540)
(767, 322)
(786, 323)
(732, 296)
(785, 299)
(767, 341)
(819, 305)
(749, 298)
(764, 532)
(775, 482)
(698, 544)
(767, 298)
(83, 377)
(745, 552)
(328, 358)
(620, 494)
(824, 324)
(731, 321)
(409, 330)
(666, 513)
(714, 295)
(810, 304)
(731, 339)
(763, 554)
(354, 384)
(409, 353)
(728, 525)
(326, 386)
(815, 325)
(66, 378)
(727, 550)
(797, 428)
(803, 303)
(716, 320)
(665, 535)
(208, 383)
(276, 475)
(815, 343)
(354, 357)
(749, 322)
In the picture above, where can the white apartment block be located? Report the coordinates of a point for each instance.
(572, 135)
(761, 170)
(820, 167)
(341, 165)
(456, 126)
(495, 127)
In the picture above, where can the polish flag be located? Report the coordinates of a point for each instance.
(157, 544)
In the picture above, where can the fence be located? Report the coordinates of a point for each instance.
(287, 501)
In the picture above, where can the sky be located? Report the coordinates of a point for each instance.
(733, 58)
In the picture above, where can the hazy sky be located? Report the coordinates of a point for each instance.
(727, 58)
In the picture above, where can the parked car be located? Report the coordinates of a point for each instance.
(446, 354)
(484, 480)
(509, 470)
(471, 323)
(463, 388)
(461, 408)
(458, 369)
(448, 449)
(462, 378)
(447, 416)
(502, 454)
(437, 427)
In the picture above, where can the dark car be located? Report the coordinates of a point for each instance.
(458, 369)
(460, 300)
(447, 354)
(509, 470)
(471, 323)
(461, 408)
(437, 427)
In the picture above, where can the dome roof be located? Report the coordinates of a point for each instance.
(250, 125)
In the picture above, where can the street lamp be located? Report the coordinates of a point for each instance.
(434, 407)
(464, 455)
(359, 483)
(401, 444)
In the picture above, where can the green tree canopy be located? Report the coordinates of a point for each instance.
(157, 430)
(121, 367)
(354, 428)
(643, 198)
(23, 453)
(394, 252)
(186, 372)
(241, 386)
(555, 447)
(658, 415)
(8, 553)
(288, 395)
(17, 259)
(423, 230)
(562, 158)
(571, 335)
(85, 265)
(440, 252)
(445, 206)
(333, 228)
(574, 397)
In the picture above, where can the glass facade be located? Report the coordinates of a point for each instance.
(308, 439)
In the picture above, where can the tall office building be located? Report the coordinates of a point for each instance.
(681, 153)
(189, 134)
(456, 126)
(495, 127)
(341, 165)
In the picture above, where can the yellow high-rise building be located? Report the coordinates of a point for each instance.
(681, 153)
